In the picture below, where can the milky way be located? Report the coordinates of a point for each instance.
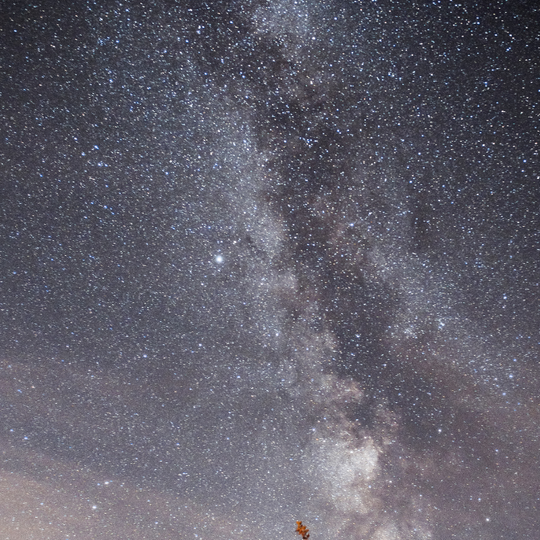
(266, 262)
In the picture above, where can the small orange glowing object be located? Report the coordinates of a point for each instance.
(302, 530)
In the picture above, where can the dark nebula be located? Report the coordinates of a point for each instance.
(268, 261)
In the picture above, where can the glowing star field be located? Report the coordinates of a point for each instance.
(269, 264)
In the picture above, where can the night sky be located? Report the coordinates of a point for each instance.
(266, 261)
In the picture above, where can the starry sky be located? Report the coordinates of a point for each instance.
(263, 261)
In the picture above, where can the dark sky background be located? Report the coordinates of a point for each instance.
(269, 260)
